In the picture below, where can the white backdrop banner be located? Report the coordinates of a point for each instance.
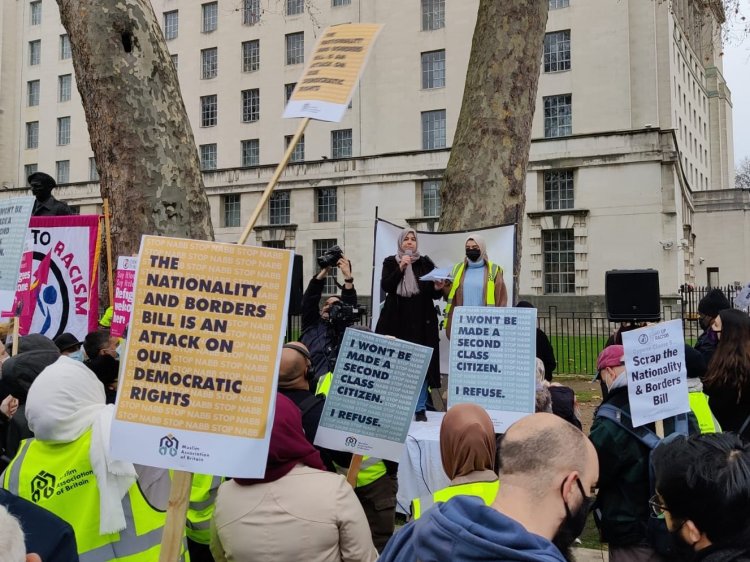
(445, 249)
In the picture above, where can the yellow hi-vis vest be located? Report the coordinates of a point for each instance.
(457, 273)
(699, 406)
(201, 507)
(59, 478)
(371, 468)
(485, 490)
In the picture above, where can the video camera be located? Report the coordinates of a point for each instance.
(340, 317)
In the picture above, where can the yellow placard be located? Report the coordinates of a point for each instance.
(204, 337)
(336, 63)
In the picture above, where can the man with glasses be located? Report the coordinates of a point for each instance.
(703, 492)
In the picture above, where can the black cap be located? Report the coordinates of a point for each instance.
(65, 341)
(713, 303)
(43, 179)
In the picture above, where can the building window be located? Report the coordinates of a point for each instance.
(558, 116)
(250, 105)
(326, 202)
(250, 152)
(64, 84)
(433, 129)
(557, 4)
(171, 24)
(250, 55)
(209, 63)
(558, 247)
(557, 51)
(341, 143)
(298, 154)
(712, 274)
(32, 134)
(288, 90)
(208, 156)
(29, 169)
(93, 172)
(209, 111)
(65, 52)
(230, 210)
(36, 12)
(175, 61)
(210, 16)
(294, 7)
(433, 14)
(558, 190)
(62, 171)
(32, 93)
(431, 203)
(250, 12)
(295, 48)
(277, 244)
(320, 247)
(341, 2)
(35, 52)
(75, 209)
(279, 208)
(433, 69)
(63, 131)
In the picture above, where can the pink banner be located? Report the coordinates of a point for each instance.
(123, 299)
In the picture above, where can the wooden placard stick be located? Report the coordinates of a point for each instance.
(351, 475)
(174, 528)
(274, 180)
(16, 322)
(659, 426)
(108, 238)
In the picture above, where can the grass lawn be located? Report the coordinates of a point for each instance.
(577, 354)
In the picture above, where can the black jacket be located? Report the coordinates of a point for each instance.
(315, 332)
(545, 352)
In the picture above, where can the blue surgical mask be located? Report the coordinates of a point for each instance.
(120, 350)
(77, 355)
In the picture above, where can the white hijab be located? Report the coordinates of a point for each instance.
(66, 400)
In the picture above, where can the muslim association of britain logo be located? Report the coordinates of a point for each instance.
(42, 486)
(168, 445)
(351, 441)
(643, 339)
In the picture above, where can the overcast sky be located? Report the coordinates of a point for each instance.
(737, 74)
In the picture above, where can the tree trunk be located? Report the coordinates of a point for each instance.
(486, 174)
(142, 140)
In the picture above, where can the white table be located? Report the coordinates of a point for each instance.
(420, 470)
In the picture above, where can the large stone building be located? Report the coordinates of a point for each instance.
(631, 154)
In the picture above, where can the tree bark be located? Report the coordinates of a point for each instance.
(142, 140)
(486, 175)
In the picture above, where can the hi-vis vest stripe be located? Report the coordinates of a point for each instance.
(371, 468)
(35, 475)
(699, 406)
(457, 273)
(201, 508)
(485, 490)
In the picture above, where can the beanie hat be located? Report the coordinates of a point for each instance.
(713, 303)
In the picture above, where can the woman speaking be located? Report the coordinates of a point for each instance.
(409, 312)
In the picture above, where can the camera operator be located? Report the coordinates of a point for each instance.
(318, 333)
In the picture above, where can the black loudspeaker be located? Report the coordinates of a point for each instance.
(632, 295)
(297, 288)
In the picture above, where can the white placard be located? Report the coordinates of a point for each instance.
(657, 377)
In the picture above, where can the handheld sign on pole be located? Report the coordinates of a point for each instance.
(657, 377)
(493, 361)
(197, 388)
(327, 84)
(373, 394)
(122, 305)
(14, 223)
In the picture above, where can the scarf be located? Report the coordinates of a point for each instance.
(288, 447)
(479, 239)
(467, 441)
(408, 287)
(65, 401)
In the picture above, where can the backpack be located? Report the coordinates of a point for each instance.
(657, 533)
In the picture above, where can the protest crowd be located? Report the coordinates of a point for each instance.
(676, 489)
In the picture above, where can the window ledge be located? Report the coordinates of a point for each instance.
(574, 212)
(261, 227)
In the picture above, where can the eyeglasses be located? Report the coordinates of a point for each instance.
(657, 508)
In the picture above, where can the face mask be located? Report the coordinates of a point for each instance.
(573, 524)
(77, 355)
(704, 323)
(120, 350)
(473, 254)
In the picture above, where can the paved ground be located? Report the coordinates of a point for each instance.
(590, 555)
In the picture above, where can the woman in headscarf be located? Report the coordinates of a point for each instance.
(476, 281)
(298, 511)
(468, 451)
(409, 311)
(116, 509)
